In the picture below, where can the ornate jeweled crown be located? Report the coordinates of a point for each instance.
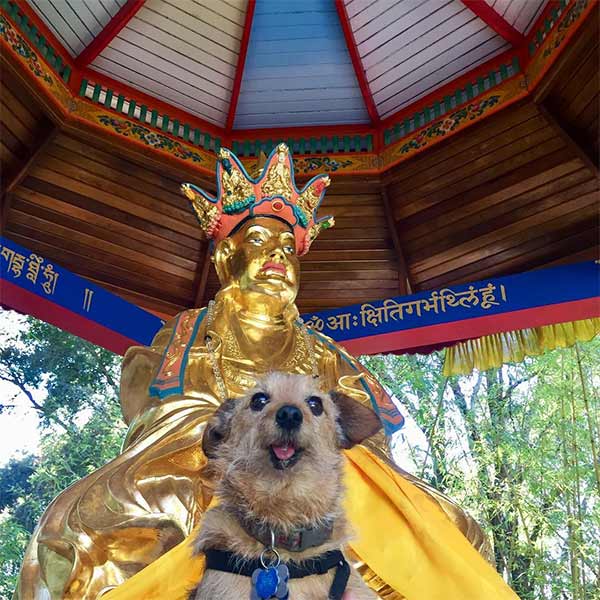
(273, 193)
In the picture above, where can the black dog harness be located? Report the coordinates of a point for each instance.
(221, 560)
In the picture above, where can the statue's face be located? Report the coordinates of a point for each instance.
(262, 260)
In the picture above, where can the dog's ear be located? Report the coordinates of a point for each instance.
(357, 421)
(217, 429)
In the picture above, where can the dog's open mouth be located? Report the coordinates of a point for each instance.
(284, 455)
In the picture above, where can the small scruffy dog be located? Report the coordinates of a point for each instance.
(279, 526)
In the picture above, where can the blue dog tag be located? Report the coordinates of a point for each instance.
(266, 583)
(270, 583)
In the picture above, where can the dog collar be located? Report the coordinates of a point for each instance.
(296, 540)
(222, 560)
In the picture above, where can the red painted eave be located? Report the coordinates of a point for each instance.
(494, 20)
(239, 72)
(108, 34)
(361, 76)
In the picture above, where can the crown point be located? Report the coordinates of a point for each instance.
(187, 191)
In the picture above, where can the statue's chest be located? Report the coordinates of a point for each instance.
(241, 366)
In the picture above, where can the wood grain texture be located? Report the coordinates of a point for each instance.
(502, 198)
(573, 92)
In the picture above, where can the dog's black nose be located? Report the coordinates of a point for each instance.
(289, 417)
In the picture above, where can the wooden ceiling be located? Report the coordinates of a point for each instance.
(191, 54)
(515, 192)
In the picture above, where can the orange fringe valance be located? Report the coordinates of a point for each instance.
(492, 351)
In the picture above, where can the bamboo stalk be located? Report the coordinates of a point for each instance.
(572, 560)
(588, 418)
(577, 499)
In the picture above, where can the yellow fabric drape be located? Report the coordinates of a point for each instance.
(493, 351)
(402, 534)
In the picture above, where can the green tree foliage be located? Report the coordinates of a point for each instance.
(73, 387)
(517, 447)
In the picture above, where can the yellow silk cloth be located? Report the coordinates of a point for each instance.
(401, 533)
(491, 351)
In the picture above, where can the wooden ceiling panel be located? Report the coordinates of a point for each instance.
(574, 97)
(521, 14)
(183, 53)
(76, 22)
(23, 128)
(298, 53)
(110, 219)
(515, 226)
(571, 244)
(355, 261)
(489, 201)
(488, 211)
(409, 49)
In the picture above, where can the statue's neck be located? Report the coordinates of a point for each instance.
(258, 334)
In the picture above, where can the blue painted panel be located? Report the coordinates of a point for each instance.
(303, 119)
(298, 70)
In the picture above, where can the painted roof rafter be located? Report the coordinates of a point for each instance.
(494, 20)
(108, 34)
(361, 76)
(239, 72)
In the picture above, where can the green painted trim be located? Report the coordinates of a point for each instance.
(131, 110)
(29, 30)
(108, 98)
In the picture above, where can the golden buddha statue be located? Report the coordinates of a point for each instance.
(116, 522)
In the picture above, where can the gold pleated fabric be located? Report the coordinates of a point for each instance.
(492, 351)
(411, 547)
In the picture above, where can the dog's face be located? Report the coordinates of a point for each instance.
(285, 437)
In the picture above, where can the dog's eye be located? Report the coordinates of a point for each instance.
(259, 401)
(316, 405)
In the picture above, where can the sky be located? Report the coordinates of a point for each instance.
(18, 426)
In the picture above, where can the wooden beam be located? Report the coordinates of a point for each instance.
(361, 76)
(47, 133)
(239, 71)
(570, 55)
(203, 271)
(570, 141)
(494, 20)
(404, 283)
(110, 31)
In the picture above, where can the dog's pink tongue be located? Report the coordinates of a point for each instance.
(284, 452)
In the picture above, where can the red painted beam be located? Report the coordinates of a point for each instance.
(361, 76)
(490, 17)
(239, 71)
(112, 29)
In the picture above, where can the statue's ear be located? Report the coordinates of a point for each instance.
(223, 252)
(217, 428)
(357, 421)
